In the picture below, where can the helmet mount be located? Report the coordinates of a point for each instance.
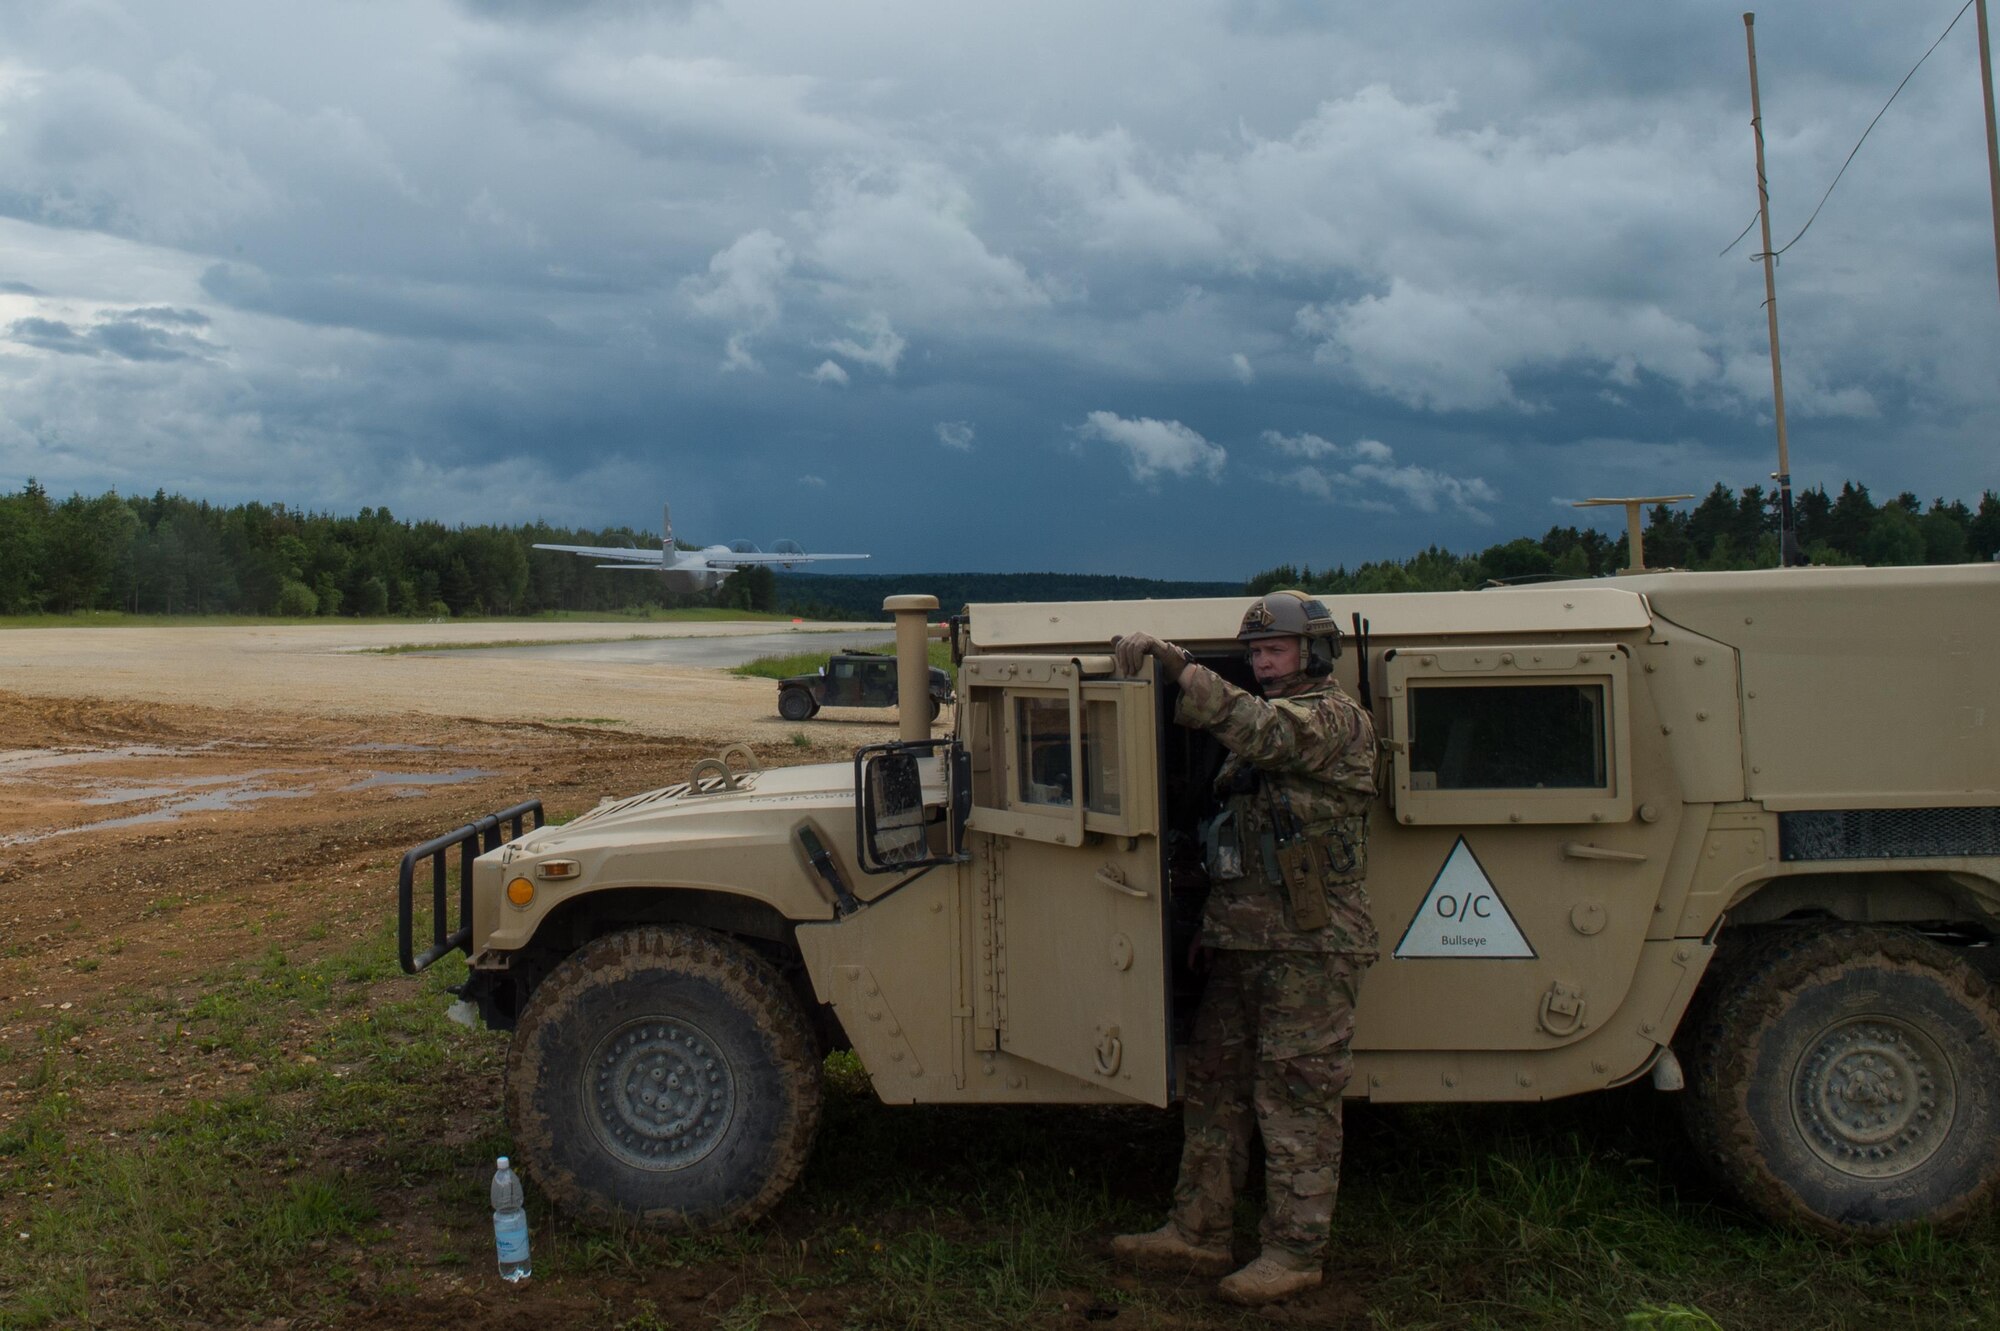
(1293, 614)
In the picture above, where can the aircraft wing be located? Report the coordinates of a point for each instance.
(625, 555)
(771, 557)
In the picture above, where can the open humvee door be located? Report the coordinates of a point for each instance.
(1063, 835)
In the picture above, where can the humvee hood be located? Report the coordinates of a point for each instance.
(677, 812)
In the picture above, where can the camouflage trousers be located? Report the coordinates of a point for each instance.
(1270, 1040)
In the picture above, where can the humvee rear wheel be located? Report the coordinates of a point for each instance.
(1849, 1078)
(664, 1074)
(795, 705)
(936, 708)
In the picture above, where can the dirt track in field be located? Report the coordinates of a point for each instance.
(225, 768)
(176, 800)
(342, 671)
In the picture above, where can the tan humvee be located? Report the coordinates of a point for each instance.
(1738, 827)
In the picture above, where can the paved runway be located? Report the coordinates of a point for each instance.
(719, 652)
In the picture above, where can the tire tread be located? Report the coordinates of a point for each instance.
(1758, 975)
(740, 973)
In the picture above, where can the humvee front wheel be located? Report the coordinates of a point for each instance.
(1849, 1078)
(796, 705)
(667, 1075)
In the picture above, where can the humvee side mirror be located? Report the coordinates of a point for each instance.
(892, 824)
(894, 796)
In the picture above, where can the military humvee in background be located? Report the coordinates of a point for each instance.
(853, 679)
(1738, 831)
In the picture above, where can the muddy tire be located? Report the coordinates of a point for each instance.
(796, 705)
(1848, 1078)
(666, 1075)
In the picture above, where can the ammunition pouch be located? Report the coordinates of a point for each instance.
(1330, 856)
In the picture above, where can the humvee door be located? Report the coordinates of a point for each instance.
(1063, 834)
(843, 687)
(878, 684)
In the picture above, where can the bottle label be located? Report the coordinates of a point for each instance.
(510, 1236)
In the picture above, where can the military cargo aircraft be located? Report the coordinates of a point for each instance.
(694, 570)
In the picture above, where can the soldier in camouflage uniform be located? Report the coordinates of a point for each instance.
(1290, 935)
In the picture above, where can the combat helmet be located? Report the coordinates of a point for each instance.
(1293, 614)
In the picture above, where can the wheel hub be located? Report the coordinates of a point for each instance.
(1874, 1096)
(661, 1093)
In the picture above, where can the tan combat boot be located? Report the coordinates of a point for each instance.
(1274, 1275)
(1167, 1249)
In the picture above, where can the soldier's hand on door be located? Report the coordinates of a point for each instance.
(1129, 653)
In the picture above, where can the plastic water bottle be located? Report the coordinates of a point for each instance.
(510, 1224)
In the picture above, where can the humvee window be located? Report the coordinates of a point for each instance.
(1036, 726)
(1042, 731)
(1510, 737)
(1041, 727)
(1100, 755)
(1502, 734)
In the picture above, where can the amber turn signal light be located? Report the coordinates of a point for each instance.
(520, 891)
(556, 869)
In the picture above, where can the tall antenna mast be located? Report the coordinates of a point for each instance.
(1788, 533)
(1992, 139)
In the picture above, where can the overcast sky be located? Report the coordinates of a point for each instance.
(1159, 288)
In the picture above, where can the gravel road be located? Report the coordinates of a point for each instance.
(338, 670)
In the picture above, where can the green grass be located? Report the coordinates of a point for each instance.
(807, 663)
(345, 1172)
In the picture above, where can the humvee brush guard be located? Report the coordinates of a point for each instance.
(1734, 830)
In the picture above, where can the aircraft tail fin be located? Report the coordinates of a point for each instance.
(666, 527)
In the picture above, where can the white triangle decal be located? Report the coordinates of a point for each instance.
(1463, 915)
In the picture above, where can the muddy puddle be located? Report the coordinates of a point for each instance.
(157, 798)
(411, 783)
(14, 762)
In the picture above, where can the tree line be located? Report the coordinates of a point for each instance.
(169, 554)
(173, 555)
(1726, 530)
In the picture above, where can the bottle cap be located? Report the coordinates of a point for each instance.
(501, 1163)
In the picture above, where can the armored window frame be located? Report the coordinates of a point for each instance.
(1018, 709)
(1413, 675)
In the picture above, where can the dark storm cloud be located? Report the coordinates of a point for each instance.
(569, 259)
(52, 335)
(122, 338)
(167, 314)
(138, 341)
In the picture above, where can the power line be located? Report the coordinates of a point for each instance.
(1857, 145)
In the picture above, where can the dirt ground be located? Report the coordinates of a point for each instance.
(222, 765)
(174, 800)
(343, 671)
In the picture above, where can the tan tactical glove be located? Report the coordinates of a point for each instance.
(1131, 651)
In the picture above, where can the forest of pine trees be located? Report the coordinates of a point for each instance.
(173, 555)
(1727, 530)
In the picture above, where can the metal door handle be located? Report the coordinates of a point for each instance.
(1112, 878)
(1577, 850)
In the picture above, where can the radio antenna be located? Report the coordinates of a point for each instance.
(1788, 532)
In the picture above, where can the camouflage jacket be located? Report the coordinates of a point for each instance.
(1315, 754)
